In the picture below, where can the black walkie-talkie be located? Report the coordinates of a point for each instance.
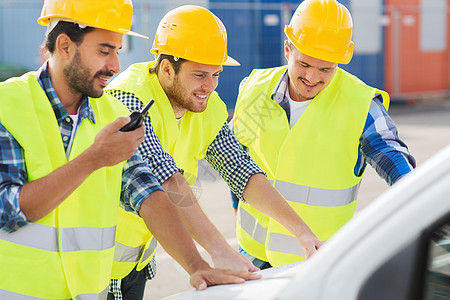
(137, 117)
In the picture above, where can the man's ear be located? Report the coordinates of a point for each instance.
(287, 50)
(64, 45)
(166, 69)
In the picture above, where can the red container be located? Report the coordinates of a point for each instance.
(415, 67)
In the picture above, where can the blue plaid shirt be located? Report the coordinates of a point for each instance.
(137, 183)
(379, 144)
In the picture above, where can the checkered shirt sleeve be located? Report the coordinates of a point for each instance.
(228, 157)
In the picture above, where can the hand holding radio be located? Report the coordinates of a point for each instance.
(137, 118)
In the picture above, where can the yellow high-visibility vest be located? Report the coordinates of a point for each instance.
(313, 163)
(249, 125)
(68, 253)
(186, 141)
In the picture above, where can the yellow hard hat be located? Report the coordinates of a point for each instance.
(113, 15)
(322, 29)
(193, 33)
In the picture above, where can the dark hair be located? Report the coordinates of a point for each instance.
(75, 33)
(176, 64)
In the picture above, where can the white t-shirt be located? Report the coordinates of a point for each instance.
(297, 109)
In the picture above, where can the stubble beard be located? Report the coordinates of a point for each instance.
(178, 97)
(80, 79)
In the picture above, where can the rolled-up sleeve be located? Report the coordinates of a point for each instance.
(138, 183)
(382, 147)
(234, 164)
(12, 178)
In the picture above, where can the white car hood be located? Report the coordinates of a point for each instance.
(268, 287)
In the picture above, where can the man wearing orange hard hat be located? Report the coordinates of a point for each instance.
(65, 165)
(325, 126)
(188, 123)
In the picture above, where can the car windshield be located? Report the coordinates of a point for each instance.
(437, 284)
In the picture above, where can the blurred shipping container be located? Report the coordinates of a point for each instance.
(417, 54)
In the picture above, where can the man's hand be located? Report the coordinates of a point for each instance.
(233, 260)
(310, 243)
(112, 146)
(208, 277)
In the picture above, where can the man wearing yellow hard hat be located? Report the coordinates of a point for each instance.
(65, 166)
(188, 123)
(325, 126)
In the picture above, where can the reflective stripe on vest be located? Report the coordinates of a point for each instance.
(131, 242)
(314, 197)
(310, 196)
(15, 296)
(322, 197)
(284, 244)
(251, 230)
(251, 226)
(151, 249)
(45, 237)
(123, 253)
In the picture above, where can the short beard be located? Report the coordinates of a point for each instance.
(179, 99)
(79, 78)
(176, 95)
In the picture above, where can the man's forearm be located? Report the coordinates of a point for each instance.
(203, 230)
(163, 220)
(199, 226)
(39, 197)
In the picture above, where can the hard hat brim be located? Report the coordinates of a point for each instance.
(46, 20)
(231, 62)
(132, 33)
